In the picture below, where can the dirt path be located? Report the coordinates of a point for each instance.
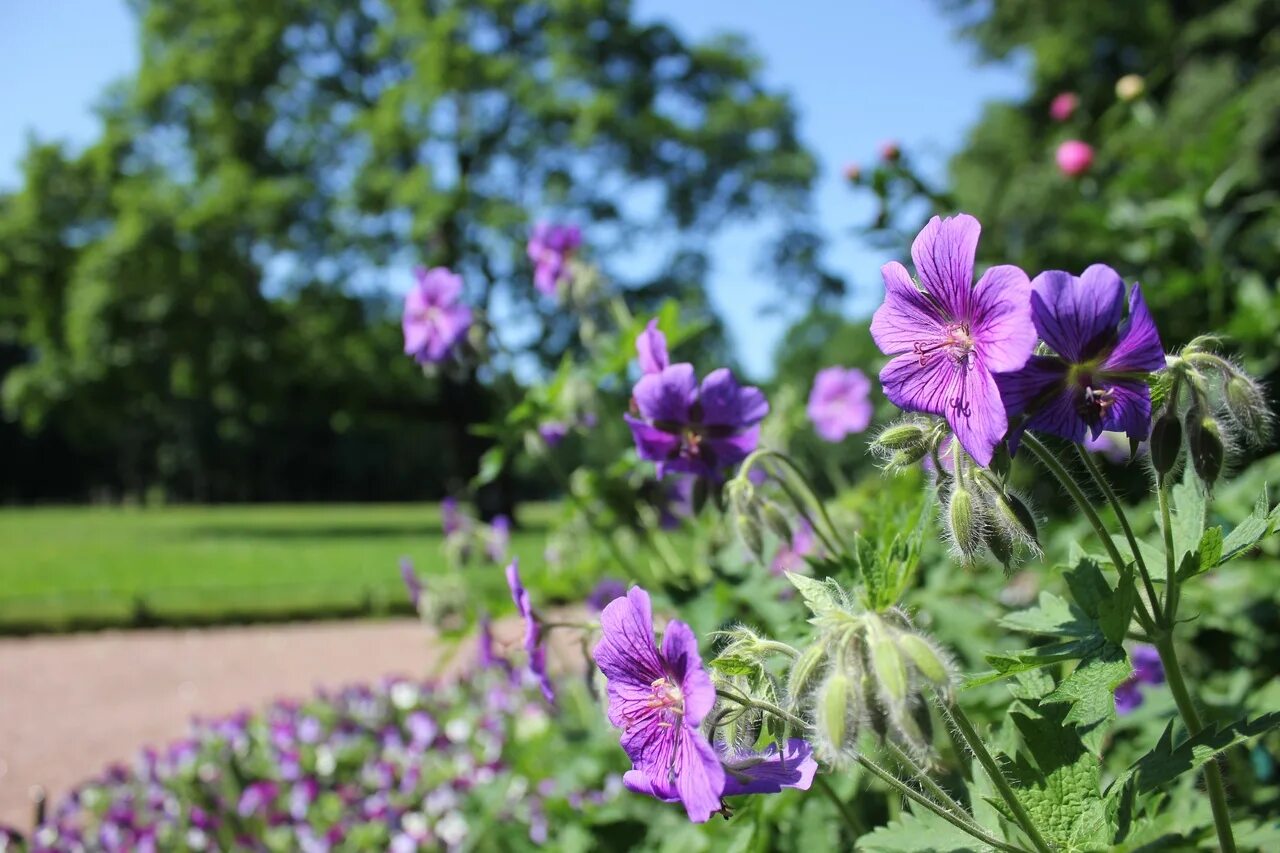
(71, 705)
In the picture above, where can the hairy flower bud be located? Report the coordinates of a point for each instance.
(904, 435)
(1247, 405)
(1166, 443)
(834, 713)
(1205, 445)
(964, 522)
(889, 668)
(749, 531)
(776, 520)
(803, 671)
(1016, 519)
(931, 663)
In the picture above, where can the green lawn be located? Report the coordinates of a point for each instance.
(90, 567)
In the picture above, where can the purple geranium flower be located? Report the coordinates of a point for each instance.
(255, 796)
(840, 404)
(434, 319)
(411, 581)
(605, 591)
(550, 247)
(532, 631)
(791, 555)
(691, 429)
(659, 698)
(746, 772)
(499, 538)
(1147, 669)
(1097, 380)
(451, 520)
(553, 432)
(950, 337)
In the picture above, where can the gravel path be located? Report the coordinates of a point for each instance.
(70, 705)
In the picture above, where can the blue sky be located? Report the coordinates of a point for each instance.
(860, 71)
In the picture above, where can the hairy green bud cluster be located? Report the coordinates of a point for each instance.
(906, 442)
(981, 515)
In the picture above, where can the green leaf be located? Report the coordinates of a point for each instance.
(491, 465)
(1090, 691)
(1165, 762)
(922, 832)
(821, 596)
(1188, 507)
(734, 666)
(1248, 533)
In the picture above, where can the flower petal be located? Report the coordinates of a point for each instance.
(626, 650)
(642, 783)
(651, 346)
(439, 285)
(1130, 409)
(652, 444)
(1077, 317)
(699, 776)
(726, 403)
(943, 253)
(666, 396)
(1139, 348)
(680, 651)
(978, 418)
(1001, 318)
(906, 315)
(769, 771)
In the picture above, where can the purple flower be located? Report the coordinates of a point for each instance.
(1147, 669)
(675, 501)
(766, 772)
(606, 591)
(791, 555)
(550, 247)
(659, 698)
(488, 657)
(695, 430)
(553, 432)
(532, 631)
(839, 404)
(451, 520)
(1112, 446)
(1098, 378)
(255, 796)
(411, 581)
(651, 346)
(499, 538)
(434, 319)
(950, 338)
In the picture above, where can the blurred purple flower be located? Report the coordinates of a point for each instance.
(676, 501)
(255, 796)
(532, 631)
(651, 347)
(411, 581)
(499, 538)
(553, 432)
(951, 338)
(791, 555)
(451, 520)
(1063, 106)
(1097, 379)
(434, 319)
(605, 591)
(1147, 669)
(550, 247)
(691, 429)
(1112, 446)
(659, 698)
(840, 402)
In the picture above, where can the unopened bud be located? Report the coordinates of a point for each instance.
(1204, 443)
(889, 668)
(964, 521)
(776, 520)
(833, 711)
(927, 660)
(907, 435)
(1001, 547)
(1130, 87)
(1016, 518)
(749, 531)
(1166, 443)
(1247, 406)
(803, 670)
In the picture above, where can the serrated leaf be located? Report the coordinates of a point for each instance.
(819, 595)
(1116, 611)
(1090, 691)
(1188, 508)
(1165, 762)
(924, 832)
(1248, 533)
(734, 666)
(491, 465)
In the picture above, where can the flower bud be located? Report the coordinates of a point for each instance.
(1016, 519)
(928, 661)
(1204, 443)
(1130, 87)
(803, 670)
(1247, 406)
(1001, 547)
(964, 522)
(888, 667)
(776, 520)
(1166, 443)
(833, 712)
(905, 435)
(749, 531)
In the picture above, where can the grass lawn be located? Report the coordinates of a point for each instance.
(63, 568)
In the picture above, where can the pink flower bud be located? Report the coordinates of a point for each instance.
(852, 172)
(890, 152)
(1074, 157)
(1063, 106)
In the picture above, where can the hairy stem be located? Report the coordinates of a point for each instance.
(957, 716)
(926, 781)
(1170, 558)
(851, 819)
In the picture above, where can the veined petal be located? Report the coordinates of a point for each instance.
(640, 782)
(726, 403)
(626, 650)
(1139, 348)
(653, 745)
(1130, 409)
(977, 415)
(1023, 389)
(1001, 320)
(680, 650)
(1060, 415)
(916, 387)
(652, 444)
(651, 347)
(944, 253)
(1077, 317)
(770, 771)
(699, 776)
(906, 315)
(667, 396)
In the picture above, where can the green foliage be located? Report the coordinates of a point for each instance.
(922, 832)
(1167, 760)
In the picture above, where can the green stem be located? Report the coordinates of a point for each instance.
(1170, 558)
(601, 530)
(919, 798)
(1069, 483)
(1191, 717)
(799, 474)
(1123, 518)
(957, 716)
(851, 818)
(926, 781)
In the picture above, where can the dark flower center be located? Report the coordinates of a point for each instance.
(1094, 403)
(955, 343)
(667, 697)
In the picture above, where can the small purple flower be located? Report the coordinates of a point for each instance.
(499, 538)
(1112, 446)
(659, 699)
(451, 520)
(434, 319)
(1147, 669)
(651, 346)
(1097, 380)
(488, 657)
(791, 555)
(950, 338)
(550, 247)
(605, 591)
(691, 429)
(255, 796)
(840, 404)
(553, 432)
(411, 581)
(532, 631)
